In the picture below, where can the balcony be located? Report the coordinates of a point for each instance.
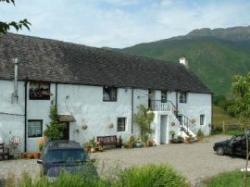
(160, 105)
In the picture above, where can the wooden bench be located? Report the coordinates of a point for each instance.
(4, 152)
(108, 140)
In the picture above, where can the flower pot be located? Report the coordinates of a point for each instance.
(24, 155)
(138, 145)
(30, 155)
(36, 155)
(93, 150)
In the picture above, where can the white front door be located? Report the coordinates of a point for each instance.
(34, 133)
(163, 130)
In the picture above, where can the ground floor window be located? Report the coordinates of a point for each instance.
(121, 124)
(180, 119)
(202, 119)
(35, 128)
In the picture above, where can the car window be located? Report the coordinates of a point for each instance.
(65, 155)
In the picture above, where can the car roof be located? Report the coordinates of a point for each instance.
(63, 144)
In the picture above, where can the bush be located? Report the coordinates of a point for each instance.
(145, 176)
(228, 179)
(150, 175)
(200, 134)
(64, 180)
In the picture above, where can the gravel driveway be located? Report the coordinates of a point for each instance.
(195, 161)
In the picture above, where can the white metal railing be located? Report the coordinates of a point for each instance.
(159, 105)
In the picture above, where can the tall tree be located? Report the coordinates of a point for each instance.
(241, 108)
(17, 25)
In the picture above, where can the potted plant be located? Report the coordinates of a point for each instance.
(150, 143)
(131, 142)
(172, 134)
(87, 146)
(179, 139)
(138, 143)
(189, 139)
(119, 143)
(36, 155)
(93, 145)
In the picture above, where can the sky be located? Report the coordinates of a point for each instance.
(122, 23)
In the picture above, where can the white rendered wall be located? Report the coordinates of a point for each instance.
(196, 105)
(38, 110)
(86, 104)
(12, 122)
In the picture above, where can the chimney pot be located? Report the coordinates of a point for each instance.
(183, 61)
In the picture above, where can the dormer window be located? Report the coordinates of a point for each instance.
(109, 93)
(39, 91)
(183, 97)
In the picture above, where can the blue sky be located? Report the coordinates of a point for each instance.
(121, 23)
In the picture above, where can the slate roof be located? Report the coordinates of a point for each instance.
(62, 62)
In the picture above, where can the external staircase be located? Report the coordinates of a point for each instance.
(183, 127)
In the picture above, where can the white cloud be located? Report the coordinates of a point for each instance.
(120, 23)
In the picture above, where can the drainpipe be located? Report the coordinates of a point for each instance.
(176, 102)
(56, 95)
(132, 110)
(15, 93)
(25, 115)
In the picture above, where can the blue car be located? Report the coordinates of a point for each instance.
(65, 156)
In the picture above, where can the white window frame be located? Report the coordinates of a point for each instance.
(183, 97)
(35, 135)
(110, 97)
(125, 124)
(202, 119)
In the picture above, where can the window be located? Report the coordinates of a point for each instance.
(183, 97)
(109, 94)
(121, 124)
(202, 119)
(164, 96)
(35, 128)
(180, 119)
(39, 91)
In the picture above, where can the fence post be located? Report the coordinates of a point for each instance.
(223, 127)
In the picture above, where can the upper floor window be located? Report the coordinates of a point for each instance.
(109, 94)
(202, 119)
(121, 124)
(39, 91)
(183, 97)
(164, 96)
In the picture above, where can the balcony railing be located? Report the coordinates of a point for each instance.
(159, 105)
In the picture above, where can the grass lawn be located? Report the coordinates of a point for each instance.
(219, 115)
(228, 179)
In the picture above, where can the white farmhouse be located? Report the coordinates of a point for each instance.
(97, 92)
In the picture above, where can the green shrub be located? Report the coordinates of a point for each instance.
(228, 179)
(54, 130)
(150, 175)
(144, 176)
(200, 134)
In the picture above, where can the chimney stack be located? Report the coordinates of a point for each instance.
(183, 61)
(15, 93)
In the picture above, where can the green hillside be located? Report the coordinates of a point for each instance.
(215, 58)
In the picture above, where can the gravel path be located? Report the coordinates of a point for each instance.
(195, 161)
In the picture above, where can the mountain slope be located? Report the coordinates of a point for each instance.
(214, 55)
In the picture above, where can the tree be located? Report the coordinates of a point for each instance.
(17, 25)
(144, 118)
(54, 130)
(241, 108)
